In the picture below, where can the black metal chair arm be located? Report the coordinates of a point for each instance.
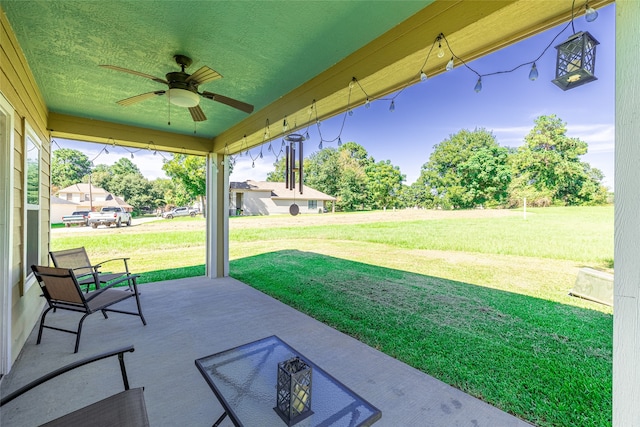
(130, 278)
(124, 259)
(70, 367)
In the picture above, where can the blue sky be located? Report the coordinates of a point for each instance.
(429, 112)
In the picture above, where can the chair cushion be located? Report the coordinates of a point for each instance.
(123, 410)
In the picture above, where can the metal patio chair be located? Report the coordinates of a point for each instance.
(62, 291)
(124, 409)
(88, 274)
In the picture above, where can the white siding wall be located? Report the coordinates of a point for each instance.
(626, 320)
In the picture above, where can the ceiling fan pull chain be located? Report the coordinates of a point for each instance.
(169, 110)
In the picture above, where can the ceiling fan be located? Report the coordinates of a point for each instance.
(183, 88)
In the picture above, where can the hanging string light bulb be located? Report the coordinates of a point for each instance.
(478, 86)
(440, 53)
(590, 14)
(339, 141)
(449, 66)
(367, 103)
(533, 74)
(106, 151)
(285, 125)
(423, 76)
(320, 145)
(306, 135)
(132, 155)
(350, 112)
(392, 107)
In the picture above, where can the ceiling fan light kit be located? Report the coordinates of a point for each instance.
(183, 97)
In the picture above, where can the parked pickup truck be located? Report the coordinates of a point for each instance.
(179, 212)
(109, 215)
(78, 217)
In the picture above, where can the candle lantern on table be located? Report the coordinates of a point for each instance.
(293, 400)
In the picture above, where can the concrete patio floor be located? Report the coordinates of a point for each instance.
(191, 318)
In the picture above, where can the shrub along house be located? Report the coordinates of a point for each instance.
(283, 58)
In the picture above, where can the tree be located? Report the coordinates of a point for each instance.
(384, 184)
(277, 175)
(136, 190)
(323, 171)
(124, 166)
(486, 176)
(68, 167)
(464, 171)
(549, 164)
(190, 172)
(100, 176)
(352, 182)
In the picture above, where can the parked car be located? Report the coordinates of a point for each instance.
(110, 215)
(183, 211)
(78, 217)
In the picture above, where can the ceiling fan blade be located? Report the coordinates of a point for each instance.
(204, 75)
(242, 106)
(141, 97)
(136, 73)
(197, 114)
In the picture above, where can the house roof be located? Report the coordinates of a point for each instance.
(283, 57)
(278, 190)
(83, 188)
(58, 201)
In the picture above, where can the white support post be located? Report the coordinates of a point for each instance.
(626, 319)
(217, 216)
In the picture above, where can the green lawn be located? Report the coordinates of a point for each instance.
(480, 303)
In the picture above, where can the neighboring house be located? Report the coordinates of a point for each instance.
(268, 198)
(89, 197)
(61, 207)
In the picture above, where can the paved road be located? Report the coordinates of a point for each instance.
(76, 229)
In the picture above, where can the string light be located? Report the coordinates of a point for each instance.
(440, 53)
(533, 74)
(449, 66)
(478, 86)
(590, 13)
(440, 40)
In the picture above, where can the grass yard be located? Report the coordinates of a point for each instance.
(477, 299)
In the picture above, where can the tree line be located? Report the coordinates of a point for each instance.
(467, 170)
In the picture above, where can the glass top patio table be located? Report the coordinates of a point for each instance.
(244, 381)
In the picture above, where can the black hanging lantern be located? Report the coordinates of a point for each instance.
(576, 61)
(293, 398)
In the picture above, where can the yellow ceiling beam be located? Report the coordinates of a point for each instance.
(82, 129)
(474, 28)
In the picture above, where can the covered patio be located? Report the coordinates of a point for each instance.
(285, 59)
(192, 318)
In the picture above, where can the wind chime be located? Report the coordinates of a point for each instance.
(294, 145)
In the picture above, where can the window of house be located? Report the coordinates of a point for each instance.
(32, 223)
(312, 204)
